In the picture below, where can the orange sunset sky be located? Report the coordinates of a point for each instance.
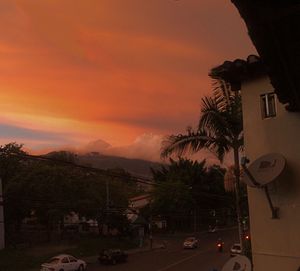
(127, 72)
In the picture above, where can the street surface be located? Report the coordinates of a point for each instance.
(175, 258)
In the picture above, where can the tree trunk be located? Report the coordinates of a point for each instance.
(100, 225)
(62, 228)
(237, 195)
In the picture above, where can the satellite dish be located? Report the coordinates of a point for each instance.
(264, 170)
(238, 263)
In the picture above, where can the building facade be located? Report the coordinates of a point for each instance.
(275, 242)
(269, 128)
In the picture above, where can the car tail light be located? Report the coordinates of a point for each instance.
(219, 245)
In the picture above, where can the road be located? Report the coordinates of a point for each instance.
(174, 258)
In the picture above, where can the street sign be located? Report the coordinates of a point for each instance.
(238, 263)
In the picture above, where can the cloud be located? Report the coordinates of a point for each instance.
(112, 69)
(146, 147)
(23, 133)
(35, 140)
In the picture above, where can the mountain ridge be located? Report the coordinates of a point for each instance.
(134, 166)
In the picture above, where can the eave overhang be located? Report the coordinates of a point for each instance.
(274, 28)
(239, 70)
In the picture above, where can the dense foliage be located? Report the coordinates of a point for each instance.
(186, 188)
(47, 190)
(220, 130)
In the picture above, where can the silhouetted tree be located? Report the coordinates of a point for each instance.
(220, 130)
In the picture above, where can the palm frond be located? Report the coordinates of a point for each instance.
(219, 129)
(218, 145)
(222, 94)
(212, 118)
(181, 144)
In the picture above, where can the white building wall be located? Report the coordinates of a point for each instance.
(275, 242)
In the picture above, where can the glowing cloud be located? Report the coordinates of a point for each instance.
(76, 71)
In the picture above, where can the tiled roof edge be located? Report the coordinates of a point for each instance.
(234, 72)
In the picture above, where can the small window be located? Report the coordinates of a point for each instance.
(268, 105)
(72, 259)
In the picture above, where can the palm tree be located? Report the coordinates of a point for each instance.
(220, 130)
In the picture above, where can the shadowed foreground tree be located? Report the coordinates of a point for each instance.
(220, 130)
(47, 191)
(185, 187)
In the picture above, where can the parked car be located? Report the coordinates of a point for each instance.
(64, 263)
(235, 250)
(112, 256)
(191, 242)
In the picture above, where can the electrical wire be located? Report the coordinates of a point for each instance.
(134, 178)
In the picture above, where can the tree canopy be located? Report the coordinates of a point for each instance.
(49, 190)
(184, 186)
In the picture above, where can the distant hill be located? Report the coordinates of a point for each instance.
(134, 166)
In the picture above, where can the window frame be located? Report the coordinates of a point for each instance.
(264, 105)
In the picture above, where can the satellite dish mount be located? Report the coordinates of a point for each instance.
(263, 171)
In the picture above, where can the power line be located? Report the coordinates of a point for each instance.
(134, 178)
(60, 203)
(131, 177)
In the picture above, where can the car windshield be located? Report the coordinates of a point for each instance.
(53, 261)
(191, 239)
(236, 247)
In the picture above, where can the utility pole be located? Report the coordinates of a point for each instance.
(195, 219)
(237, 174)
(107, 194)
(2, 233)
(151, 233)
(107, 213)
(150, 225)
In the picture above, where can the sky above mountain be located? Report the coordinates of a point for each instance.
(127, 72)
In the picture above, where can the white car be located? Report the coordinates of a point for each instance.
(190, 242)
(235, 250)
(64, 263)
